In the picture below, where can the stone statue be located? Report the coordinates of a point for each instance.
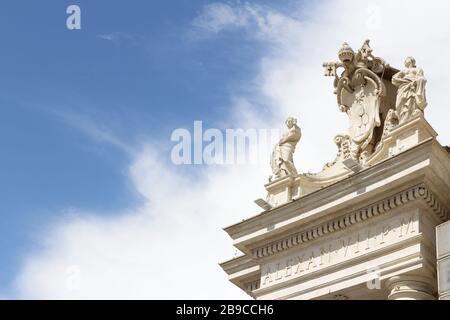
(411, 100)
(359, 89)
(282, 161)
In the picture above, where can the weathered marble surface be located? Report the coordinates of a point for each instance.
(363, 227)
(326, 243)
(411, 98)
(282, 161)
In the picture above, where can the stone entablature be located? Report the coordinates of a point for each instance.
(414, 179)
(420, 192)
(427, 162)
(340, 249)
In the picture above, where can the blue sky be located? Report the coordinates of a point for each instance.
(155, 76)
(86, 118)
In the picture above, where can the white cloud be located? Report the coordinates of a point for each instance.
(217, 17)
(118, 38)
(169, 247)
(259, 21)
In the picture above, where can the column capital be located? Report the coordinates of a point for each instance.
(411, 287)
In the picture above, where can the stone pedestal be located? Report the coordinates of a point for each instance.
(281, 191)
(402, 138)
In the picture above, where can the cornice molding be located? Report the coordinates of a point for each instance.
(385, 169)
(418, 192)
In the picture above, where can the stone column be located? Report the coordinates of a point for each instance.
(411, 287)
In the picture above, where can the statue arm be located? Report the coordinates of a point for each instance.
(420, 73)
(399, 79)
(293, 136)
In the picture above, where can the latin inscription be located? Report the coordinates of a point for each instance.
(341, 249)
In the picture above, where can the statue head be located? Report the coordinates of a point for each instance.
(290, 122)
(346, 53)
(410, 62)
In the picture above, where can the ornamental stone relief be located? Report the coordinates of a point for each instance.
(376, 98)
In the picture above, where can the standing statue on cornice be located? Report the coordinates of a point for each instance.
(411, 99)
(282, 161)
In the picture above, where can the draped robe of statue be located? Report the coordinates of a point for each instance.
(282, 161)
(411, 98)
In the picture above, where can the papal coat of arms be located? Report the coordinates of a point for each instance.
(359, 89)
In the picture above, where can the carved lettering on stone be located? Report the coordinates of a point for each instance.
(340, 249)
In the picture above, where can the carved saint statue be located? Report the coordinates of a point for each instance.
(282, 161)
(411, 100)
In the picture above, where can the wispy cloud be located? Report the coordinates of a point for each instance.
(258, 21)
(120, 38)
(94, 129)
(217, 17)
(164, 249)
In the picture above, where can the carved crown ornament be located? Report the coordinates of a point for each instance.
(359, 68)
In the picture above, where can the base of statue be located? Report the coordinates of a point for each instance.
(402, 138)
